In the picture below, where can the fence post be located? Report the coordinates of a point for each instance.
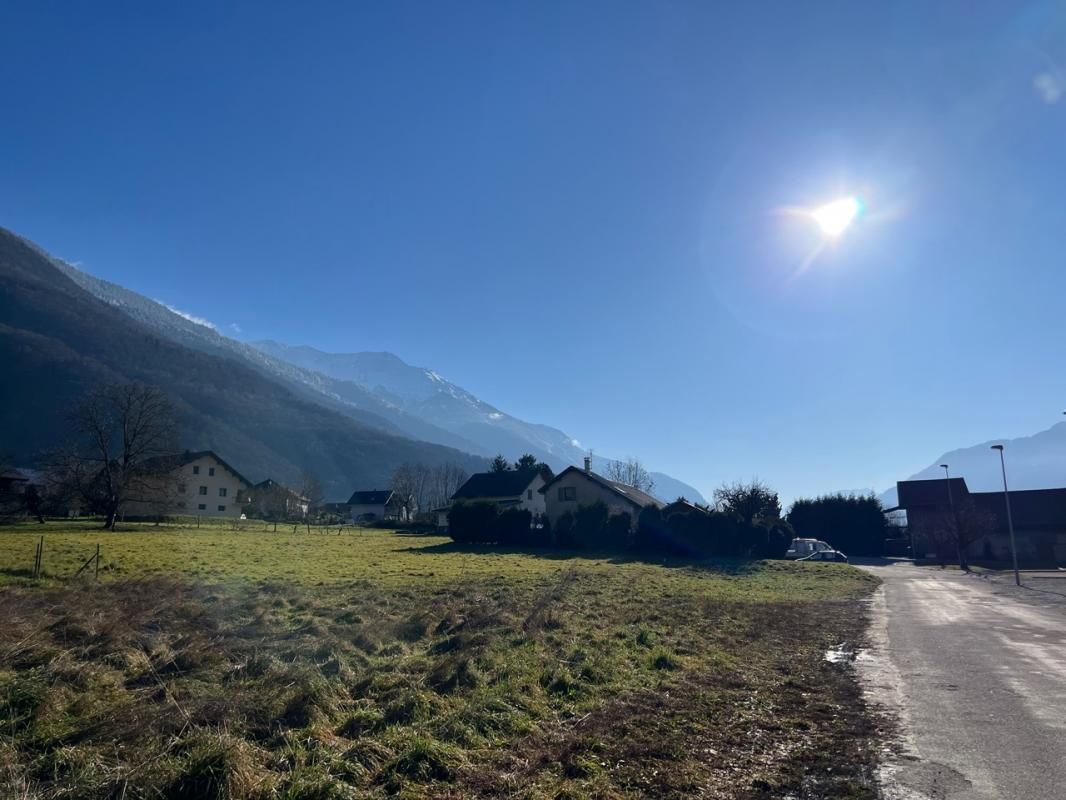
(97, 561)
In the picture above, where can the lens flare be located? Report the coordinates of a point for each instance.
(836, 217)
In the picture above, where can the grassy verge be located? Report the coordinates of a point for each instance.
(254, 665)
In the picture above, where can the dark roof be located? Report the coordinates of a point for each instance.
(11, 474)
(630, 493)
(181, 459)
(683, 506)
(1029, 508)
(913, 494)
(372, 497)
(509, 483)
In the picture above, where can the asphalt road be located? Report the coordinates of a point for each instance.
(975, 672)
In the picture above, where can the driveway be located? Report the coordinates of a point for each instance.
(975, 671)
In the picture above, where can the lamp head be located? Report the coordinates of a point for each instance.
(998, 447)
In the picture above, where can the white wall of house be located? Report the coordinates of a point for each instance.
(360, 510)
(575, 489)
(203, 488)
(530, 500)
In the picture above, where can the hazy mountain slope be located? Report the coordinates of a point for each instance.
(344, 396)
(1033, 462)
(424, 393)
(57, 341)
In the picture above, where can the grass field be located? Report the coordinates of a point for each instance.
(253, 664)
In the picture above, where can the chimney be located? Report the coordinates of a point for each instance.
(588, 464)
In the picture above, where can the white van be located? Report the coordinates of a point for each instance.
(801, 548)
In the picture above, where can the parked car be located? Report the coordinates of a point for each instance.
(801, 548)
(826, 555)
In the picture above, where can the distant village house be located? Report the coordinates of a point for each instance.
(575, 487)
(378, 504)
(199, 484)
(512, 488)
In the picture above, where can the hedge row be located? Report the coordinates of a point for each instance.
(593, 527)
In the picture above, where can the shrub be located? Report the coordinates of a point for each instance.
(472, 522)
(694, 534)
(513, 527)
(564, 530)
(590, 526)
(853, 524)
(652, 536)
(619, 531)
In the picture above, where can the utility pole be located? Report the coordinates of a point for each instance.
(955, 522)
(1010, 520)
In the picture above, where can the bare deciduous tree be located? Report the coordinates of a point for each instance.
(405, 483)
(270, 503)
(422, 487)
(447, 478)
(126, 433)
(311, 490)
(631, 472)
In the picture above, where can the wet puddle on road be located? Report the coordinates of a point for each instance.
(844, 653)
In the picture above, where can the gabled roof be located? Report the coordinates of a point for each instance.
(372, 497)
(508, 483)
(181, 459)
(630, 493)
(683, 506)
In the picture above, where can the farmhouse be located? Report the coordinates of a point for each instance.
(575, 487)
(377, 504)
(511, 488)
(197, 483)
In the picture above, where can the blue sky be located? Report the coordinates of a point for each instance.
(579, 210)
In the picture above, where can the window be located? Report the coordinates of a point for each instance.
(567, 493)
(203, 490)
(221, 508)
(529, 494)
(181, 488)
(202, 507)
(210, 470)
(222, 492)
(195, 470)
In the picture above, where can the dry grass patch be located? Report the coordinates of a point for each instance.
(487, 674)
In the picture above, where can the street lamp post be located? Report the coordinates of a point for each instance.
(954, 520)
(1010, 521)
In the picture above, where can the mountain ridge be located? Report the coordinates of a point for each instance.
(384, 393)
(1037, 461)
(58, 340)
(425, 393)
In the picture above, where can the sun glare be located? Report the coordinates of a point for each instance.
(836, 217)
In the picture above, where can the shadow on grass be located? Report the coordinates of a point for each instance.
(728, 566)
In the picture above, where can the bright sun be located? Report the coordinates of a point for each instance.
(836, 217)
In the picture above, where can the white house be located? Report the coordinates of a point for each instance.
(195, 484)
(377, 504)
(512, 488)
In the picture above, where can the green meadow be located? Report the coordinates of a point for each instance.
(222, 663)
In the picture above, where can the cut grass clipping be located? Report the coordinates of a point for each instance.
(337, 666)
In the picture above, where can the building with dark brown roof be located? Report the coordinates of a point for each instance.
(1039, 517)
